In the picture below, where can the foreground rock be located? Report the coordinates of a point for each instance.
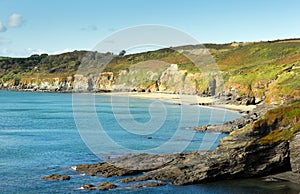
(56, 177)
(106, 186)
(258, 149)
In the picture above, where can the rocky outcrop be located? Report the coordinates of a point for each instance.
(234, 158)
(56, 84)
(295, 153)
(160, 77)
(258, 149)
(56, 177)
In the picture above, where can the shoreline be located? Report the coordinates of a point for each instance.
(166, 97)
(184, 99)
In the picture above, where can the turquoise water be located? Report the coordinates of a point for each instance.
(38, 137)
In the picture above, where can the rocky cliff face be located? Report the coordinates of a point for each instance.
(295, 153)
(56, 84)
(155, 76)
(167, 79)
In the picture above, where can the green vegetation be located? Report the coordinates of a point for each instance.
(283, 122)
(41, 65)
(254, 69)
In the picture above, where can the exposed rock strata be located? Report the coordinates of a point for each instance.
(252, 151)
(295, 153)
(154, 76)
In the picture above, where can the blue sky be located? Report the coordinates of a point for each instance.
(55, 26)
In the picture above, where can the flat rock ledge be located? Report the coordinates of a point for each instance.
(104, 169)
(56, 177)
(106, 186)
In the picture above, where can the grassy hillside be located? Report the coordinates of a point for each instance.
(253, 69)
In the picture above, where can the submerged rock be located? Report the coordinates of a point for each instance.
(151, 184)
(56, 177)
(106, 186)
(88, 187)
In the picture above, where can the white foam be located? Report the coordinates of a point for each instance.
(74, 167)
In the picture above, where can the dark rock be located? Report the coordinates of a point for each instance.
(246, 152)
(134, 179)
(239, 99)
(88, 187)
(151, 184)
(56, 177)
(250, 101)
(242, 154)
(106, 186)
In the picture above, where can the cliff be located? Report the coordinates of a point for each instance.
(245, 73)
(265, 73)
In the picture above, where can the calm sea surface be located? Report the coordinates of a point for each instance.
(38, 137)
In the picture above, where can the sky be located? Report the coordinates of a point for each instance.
(54, 26)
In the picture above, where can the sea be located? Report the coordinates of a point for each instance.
(44, 133)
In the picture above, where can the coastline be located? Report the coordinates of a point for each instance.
(166, 97)
(114, 167)
(184, 99)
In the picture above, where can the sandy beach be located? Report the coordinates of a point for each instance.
(184, 99)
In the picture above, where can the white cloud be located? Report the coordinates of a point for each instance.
(2, 27)
(15, 20)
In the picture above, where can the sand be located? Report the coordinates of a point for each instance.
(184, 99)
